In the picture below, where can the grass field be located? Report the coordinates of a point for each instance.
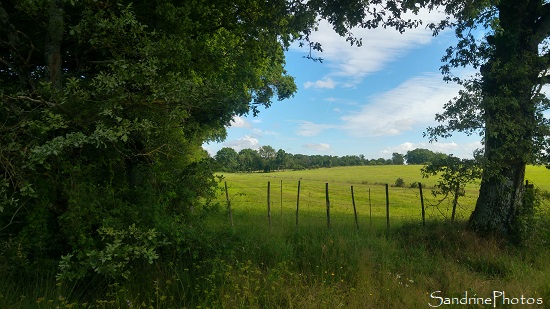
(341, 267)
(248, 195)
(253, 265)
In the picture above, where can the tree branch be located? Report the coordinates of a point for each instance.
(542, 26)
(14, 43)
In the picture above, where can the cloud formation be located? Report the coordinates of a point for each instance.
(321, 147)
(260, 133)
(412, 104)
(327, 83)
(308, 128)
(380, 46)
(245, 142)
(239, 122)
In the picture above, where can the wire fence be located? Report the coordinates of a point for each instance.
(333, 204)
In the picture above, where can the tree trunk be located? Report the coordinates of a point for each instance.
(54, 38)
(500, 201)
(509, 110)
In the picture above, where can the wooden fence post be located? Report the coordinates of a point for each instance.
(281, 202)
(370, 211)
(228, 204)
(354, 209)
(269, 203)
(328, 205)
(387, 209)
(298, 203)
(422, 203)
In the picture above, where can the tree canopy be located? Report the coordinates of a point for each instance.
(422, 156)
(105, 105)
(266, 159)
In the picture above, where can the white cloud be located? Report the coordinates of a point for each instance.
(308, 128)
(380, 46)
(318, 147)
(412, 104)
(259, 133)
(239, 122)
(327, 83)
(245, 142)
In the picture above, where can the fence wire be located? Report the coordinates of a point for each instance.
(251, 203)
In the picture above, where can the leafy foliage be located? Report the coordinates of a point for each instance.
(104, 107)
(454, 174)
(122, 249)
(422, 156)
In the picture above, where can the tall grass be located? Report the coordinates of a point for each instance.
(250, 265)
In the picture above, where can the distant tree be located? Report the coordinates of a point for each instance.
(249, 160)
(397, 159)
(362, 160)
(281, 159)
(327, 161)
(268, 154)
(227, 159)
(420, 156)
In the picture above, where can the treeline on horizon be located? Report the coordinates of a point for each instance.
(267, 159)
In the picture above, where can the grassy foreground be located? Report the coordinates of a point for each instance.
(253, 265)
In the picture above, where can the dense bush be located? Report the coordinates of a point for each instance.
(400, 183)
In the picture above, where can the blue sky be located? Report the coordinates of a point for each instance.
(372, 100)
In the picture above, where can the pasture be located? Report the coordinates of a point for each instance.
(311, 266)
(248, 195)
(251, 264)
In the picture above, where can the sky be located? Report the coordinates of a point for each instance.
(373, 100)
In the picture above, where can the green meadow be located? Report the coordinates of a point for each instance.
(252, 264)
(308, 265)
(248, 193)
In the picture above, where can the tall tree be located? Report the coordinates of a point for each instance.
(227, 159)
(503, 102)
(281, 159)
(397, 159)
(268, 154)
(420, 156)
(104, 107)
(249, 160)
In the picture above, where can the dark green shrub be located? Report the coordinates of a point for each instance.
(399, 182)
